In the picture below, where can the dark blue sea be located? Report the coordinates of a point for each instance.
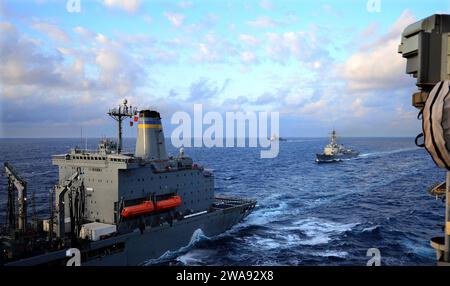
(307, 214)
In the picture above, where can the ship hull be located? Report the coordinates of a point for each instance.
(137, 248)
(322, 158)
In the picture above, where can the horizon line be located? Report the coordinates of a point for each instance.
(283, 137)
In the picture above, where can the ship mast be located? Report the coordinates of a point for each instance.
(333, 137)
(118, 114)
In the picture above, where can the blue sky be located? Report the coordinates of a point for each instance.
(321, 64)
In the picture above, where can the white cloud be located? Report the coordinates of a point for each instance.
(52, 31)
(317, 64)
(284, 45)
(107, 67)
(300, 45)
(84, 32)
(74, 83)
(249, 40)
(378, 65)
(248, 57)
(165, 56)
(315, 107)
(214, 49)
(127, 5)
(206, 53)
(375, 93)
(185, 4)
(265, 4)
(358, 108)
(370, 30)
(6, 27)
(148, 19)
(176, 19)
(108, 62)
(262, 22)
(26, 70)
(102, 38)
(20, 64)
(327, 8)
(368, 94)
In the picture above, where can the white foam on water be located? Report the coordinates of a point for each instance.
(274, 208)
(196, 237)
(330, 253)
(320, 239)
(267, 243)
(370, 154)
(370, 229)
(272, 240)
(195, 256)
(416, 248)
(314, 203)
(320, 231)
(266, 215)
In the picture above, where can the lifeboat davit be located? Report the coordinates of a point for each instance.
(148, 207)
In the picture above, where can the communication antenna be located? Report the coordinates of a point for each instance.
(118, 114)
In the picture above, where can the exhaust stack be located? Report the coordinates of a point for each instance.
(150, 144)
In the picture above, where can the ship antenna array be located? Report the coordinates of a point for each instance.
(118, 114)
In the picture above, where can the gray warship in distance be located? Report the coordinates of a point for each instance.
(118, 208)
(334, 152)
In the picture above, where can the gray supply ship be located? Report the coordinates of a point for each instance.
(334, 152)
(118, 208)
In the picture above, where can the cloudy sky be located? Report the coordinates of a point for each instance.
(321, 64)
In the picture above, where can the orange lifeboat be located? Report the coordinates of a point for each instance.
(148, 207)
(142, 209)
(170, 203)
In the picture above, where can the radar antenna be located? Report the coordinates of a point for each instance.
(118, 114)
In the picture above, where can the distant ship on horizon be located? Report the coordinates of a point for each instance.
(276, 138)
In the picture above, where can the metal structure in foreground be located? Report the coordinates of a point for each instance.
(426, 46)
(16, 183)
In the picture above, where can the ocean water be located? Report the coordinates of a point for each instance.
(307, 213)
